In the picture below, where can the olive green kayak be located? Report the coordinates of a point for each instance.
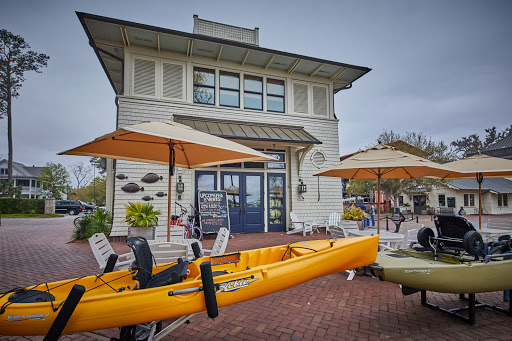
(420, 269)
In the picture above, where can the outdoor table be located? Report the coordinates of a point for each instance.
(389, 239)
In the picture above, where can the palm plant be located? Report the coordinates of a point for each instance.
(141, 215)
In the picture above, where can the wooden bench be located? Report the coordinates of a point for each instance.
(446, 210)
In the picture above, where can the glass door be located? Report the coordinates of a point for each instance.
(276, 202)
(245, 193)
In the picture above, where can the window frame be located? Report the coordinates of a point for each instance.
(214, 86)
(439, 200)
(275, 96)
(229, 89)
(254, 92)
(502, 200)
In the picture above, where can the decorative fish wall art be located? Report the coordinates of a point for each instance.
(132, 187)
(147, 198)
(161, 194)
(151, 177)
(121, 176)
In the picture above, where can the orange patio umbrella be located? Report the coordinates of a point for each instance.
(168, 143)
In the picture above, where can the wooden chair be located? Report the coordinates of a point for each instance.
(221, 242)
(102, 249)
(334, 219)
(300, 226)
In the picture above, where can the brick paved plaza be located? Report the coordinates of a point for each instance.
(329, 308)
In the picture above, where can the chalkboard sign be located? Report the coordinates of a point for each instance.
(213, 208)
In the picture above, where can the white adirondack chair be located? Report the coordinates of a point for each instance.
(169, 252)
(102, 250)
(221, 242)
(410, 237)
(177, 236)
(339, 232)
(301, 226)
(334, 219)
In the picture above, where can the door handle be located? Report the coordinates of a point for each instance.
(245, 208)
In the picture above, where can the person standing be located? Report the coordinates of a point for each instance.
(372, 214)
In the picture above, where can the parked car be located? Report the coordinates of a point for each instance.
(88, 208)
(71, 207)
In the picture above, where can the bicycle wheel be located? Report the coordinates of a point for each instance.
(77, 222)
(187, 232)
(197, 233)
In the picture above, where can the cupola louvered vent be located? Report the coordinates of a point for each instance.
(144, 77)
(172, 81)
(319, 101)
(318, 158)
(300, 98)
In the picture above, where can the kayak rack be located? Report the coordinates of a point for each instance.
(473, 304)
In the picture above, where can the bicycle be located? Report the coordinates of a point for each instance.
(192, 231)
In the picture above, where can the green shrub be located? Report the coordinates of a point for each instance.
(100, 221)
(354, 214)
(24, 206)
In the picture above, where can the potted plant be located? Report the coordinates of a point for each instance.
(355, 214)
(407, 205)
(142, 219)
(425, 209)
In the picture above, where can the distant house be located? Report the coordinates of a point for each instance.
(502, 148)
(26, 177)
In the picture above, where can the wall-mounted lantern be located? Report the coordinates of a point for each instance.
(302, 188)
(180, 186)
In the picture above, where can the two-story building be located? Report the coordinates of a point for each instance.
(220, 81)
(26, 177)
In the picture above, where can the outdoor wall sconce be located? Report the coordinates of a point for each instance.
(302, 188)
(180, 186)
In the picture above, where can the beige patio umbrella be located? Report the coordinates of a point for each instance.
(167, 143)
(385, 162)
(479, 166)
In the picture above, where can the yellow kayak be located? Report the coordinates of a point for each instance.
(116, 299)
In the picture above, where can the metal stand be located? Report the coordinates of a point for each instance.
(470, 308)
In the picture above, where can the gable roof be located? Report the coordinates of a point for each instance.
(495, 185)
(33, 172)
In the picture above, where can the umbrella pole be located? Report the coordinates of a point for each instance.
(171, 171)
(378, 203)
(479, 179)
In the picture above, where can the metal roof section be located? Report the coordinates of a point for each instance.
(248, 131)
(109, 37)
(502, 148)
(495, 185)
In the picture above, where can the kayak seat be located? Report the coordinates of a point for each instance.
(144, 265)
(143, 260)
(172, 275)
(452, 226)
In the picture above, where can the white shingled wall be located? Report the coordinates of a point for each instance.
(314, 206)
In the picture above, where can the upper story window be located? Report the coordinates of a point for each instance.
(253, 92)
(229, 89)
(275, 95)
(3, 171)
(204, 86)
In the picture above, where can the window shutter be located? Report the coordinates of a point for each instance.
(144, 78)
(319, 101)
(173, 81)
(300, 98)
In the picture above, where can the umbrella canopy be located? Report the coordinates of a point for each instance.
(385, 162)
(479, 166)
(167, 143)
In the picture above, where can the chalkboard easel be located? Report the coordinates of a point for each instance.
(213, 210)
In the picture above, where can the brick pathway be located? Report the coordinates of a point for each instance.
(328, 308)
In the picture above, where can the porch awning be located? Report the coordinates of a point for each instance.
(248, 131)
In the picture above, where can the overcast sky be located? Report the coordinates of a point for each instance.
(438, 67)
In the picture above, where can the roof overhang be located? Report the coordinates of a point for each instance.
(235, 130)
(109, 37)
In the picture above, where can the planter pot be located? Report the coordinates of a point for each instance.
(360, 224)
(148, 232)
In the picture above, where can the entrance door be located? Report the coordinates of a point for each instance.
(419, 202)
(245, 201)
(276, 202)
